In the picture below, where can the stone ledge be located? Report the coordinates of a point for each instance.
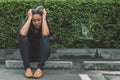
(70, 53)
(102, 65)
(13, 64)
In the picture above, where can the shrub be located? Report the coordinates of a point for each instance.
(73, 24)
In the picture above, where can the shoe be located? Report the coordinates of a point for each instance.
(28, 73)
(38, 73)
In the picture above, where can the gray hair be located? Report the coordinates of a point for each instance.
(38, 10)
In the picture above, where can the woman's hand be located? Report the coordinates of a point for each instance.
(29, 13)
(44, 14)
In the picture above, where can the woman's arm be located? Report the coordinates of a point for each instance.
(25, 27)
(45, 29)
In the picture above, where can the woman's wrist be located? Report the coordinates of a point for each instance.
(29, 18)
(44, 20)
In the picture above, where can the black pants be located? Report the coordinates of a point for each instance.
(34, 51)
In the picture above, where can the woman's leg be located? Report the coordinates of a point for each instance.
(33, 52)
(24, 50)
(44, 51)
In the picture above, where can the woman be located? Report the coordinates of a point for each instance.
(34, 44)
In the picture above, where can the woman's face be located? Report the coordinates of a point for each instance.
(37, 20)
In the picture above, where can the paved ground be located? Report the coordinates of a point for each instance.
(77, 73)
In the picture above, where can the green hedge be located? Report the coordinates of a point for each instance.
(72, 24)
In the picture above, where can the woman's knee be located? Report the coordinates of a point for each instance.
(44, 43)
(23, 40)
(45, 40)
(45, 37)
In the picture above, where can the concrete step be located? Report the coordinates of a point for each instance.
(56, 54)
(68, 54)
(102, 65)
(12, 64)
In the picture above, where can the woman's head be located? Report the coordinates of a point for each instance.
(37, 20)
(37, 17)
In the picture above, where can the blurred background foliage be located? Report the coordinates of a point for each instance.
(73, 23)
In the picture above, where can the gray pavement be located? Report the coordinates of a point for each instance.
(17, 74)
(49, 74)
(76, 73)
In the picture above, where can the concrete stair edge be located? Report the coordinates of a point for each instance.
(102, 65)
(14, 64)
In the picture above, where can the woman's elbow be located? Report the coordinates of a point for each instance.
(23, 34)
(45, 34)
